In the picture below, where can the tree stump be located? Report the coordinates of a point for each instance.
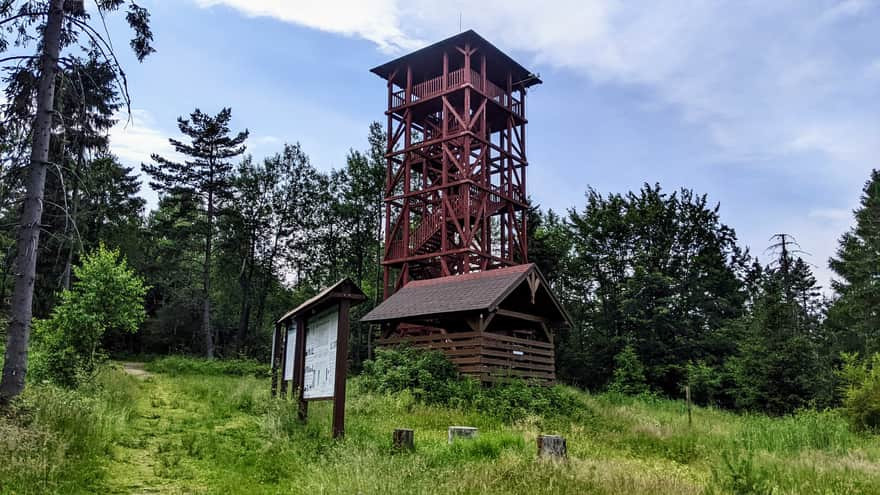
(403, 439)
(462, 432)
(552, 446)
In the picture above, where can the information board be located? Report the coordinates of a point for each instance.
(320, 356)
(289, 353)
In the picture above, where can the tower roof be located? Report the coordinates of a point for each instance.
(428, 60)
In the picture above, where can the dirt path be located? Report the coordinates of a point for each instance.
(136, 369)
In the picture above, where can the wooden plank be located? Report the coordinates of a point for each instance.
(505, 338)
(524, 357)
(445, 345)
(502, 353)
(520, 316)
(504, 372)
(494, 344)
(514, 364)
(418, 338)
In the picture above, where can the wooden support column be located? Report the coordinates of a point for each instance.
(299, 368)
(341, 370)
(277, 351)
(283, 344)
(445, 83)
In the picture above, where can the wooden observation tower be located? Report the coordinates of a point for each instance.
(456, 271)
(455, 193)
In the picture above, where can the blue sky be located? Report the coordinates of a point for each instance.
(770, 108)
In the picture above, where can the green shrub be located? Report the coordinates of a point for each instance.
(739, 474)
(183, 365)
(427, 374)
(629, 373)
(433, 379)
(106, 295)
(861, 391)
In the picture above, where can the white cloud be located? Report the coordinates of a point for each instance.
(839, 215)
(373, 20)
(766, 82)
(759, 77)
(134, 139)
(266, 139)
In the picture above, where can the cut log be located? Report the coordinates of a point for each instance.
(552, 446)
(403, 439)
(462, 432)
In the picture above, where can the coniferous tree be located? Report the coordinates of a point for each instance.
(854, 316)
(657, 271)
(206, 175)
(54, 26)
(778, 367)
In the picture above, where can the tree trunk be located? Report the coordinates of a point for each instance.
(245, 281)
(207, 335)
(270, 269)
(21, 311)
(74, 201)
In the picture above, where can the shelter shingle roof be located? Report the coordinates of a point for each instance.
(454, 294)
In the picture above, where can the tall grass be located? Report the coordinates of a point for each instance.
(56, 440)
(181, 365)
(206, 431)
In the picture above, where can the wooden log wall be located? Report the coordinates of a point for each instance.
(489, 357)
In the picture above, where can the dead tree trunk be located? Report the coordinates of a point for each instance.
(21, 310)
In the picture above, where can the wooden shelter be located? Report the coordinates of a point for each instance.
(492, 324)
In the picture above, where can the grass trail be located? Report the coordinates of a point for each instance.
(140, 463)
(186, 432)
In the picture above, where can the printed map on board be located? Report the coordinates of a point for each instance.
(320, 372)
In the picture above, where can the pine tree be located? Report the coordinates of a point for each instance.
(854, 316)
(207, 175)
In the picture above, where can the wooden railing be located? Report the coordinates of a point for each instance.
(429, 226)
(456, 79)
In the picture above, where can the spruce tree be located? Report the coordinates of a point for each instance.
(854, 316)
(778, 367)
(207, 174)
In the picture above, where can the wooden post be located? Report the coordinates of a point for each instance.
(283, 344)
(276, 351)
(341, 369)
(403, 439)
(299, 367)
(687, 395)
(552, 446)
(462, 432)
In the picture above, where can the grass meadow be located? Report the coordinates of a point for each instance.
(192, 427)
